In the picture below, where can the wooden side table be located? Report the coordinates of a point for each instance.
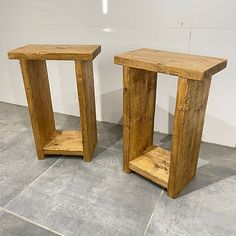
(172, 170)
(48, 140)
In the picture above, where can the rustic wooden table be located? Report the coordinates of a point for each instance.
(48, 140)
(170, 169)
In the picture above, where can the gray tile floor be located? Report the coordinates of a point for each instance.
(66, 196)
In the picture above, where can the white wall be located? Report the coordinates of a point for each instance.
(197, 26)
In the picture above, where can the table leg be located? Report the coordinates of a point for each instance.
(39, 101)
(139, 97)
(190, 110)
(85, 84)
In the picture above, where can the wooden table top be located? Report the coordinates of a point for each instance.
(179, 64)
(55, 52)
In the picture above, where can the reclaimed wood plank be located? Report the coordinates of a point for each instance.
(139, 97)
(187, 132)
(66, 142)
(55, 52)
(189, 66)
(153, 164)
(85, 85)
(37, 91)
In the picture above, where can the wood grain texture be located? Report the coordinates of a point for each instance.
(66, 142)
(39, 101)
(183, 65)
(153, 164)
(139, 97)
(85, 84)
(188, 126)
(55, 52)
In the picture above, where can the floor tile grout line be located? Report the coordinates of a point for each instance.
(31, 183)
(231, 179)
(63, 114)
(3, 123)
(150, 219)
(113, 149)
(207, 173)
(219, 177)
(32, 222)
(122, 151)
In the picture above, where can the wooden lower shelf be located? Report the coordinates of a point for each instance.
(66, 142)
(154, 164)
